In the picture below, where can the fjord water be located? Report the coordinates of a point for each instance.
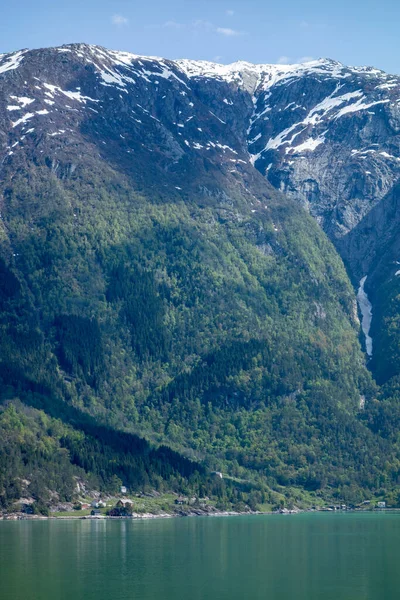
(296, 557)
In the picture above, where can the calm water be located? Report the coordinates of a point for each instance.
(298, 557)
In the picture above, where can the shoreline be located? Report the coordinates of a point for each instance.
(151, 516)
(133, 517)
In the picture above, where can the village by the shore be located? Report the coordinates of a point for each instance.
(154, 505)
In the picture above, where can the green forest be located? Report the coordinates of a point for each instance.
(151, 340)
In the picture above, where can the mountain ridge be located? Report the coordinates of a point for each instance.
(158, 281)
(187, 62)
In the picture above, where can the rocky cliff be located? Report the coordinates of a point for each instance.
(156, 277)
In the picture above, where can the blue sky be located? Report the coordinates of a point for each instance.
(353, 31)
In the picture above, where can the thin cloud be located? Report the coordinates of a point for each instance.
(228, 32)
(230, 13)
(173, 25)
(202, 24)
(304, 59)
(199, 25)
(119, 20)
(287, 60)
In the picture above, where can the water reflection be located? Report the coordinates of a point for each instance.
(302, 557)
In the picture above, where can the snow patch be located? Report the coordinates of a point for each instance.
(214, 115)
(23, 119)
(309, 144)
(59, 132)
(357, 106)
(23, 100)
(390, 156)
(52, 90)
(12, 61)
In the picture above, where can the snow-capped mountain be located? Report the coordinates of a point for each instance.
(325, 134)
(154, 275)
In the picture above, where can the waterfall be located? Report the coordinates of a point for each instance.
(366, 312)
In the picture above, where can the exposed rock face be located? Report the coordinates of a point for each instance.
(152, 275)
(138, 106)
(325, 134)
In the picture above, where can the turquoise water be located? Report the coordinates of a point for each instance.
(296, 557)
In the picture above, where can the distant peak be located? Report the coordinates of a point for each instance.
(247, 75)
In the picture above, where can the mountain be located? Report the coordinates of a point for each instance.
(156, 281)
(327, 135)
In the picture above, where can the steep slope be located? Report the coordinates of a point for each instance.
(372, 248)
(331, 141)
(153, 278)
(327, 135)
(48, 459)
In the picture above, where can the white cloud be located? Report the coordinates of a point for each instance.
(173, 25)
(304, 59)
(283, 60)
(202, 24)
(198, 25)
(119, 20)
(227, 31)
(304, 24)
(230, 13)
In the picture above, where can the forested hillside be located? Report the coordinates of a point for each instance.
(153, 291)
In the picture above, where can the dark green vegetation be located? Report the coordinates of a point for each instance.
(229, 339)
(52, 455)
(373, 248)
(165, 310)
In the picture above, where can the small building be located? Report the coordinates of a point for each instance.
(94, 504)
(381, 504)
(95, 512)
(27, 509)
(123, 489)
(123, 508)
(181, 500)
(101, 504)
(124, 503)
(81, 505)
